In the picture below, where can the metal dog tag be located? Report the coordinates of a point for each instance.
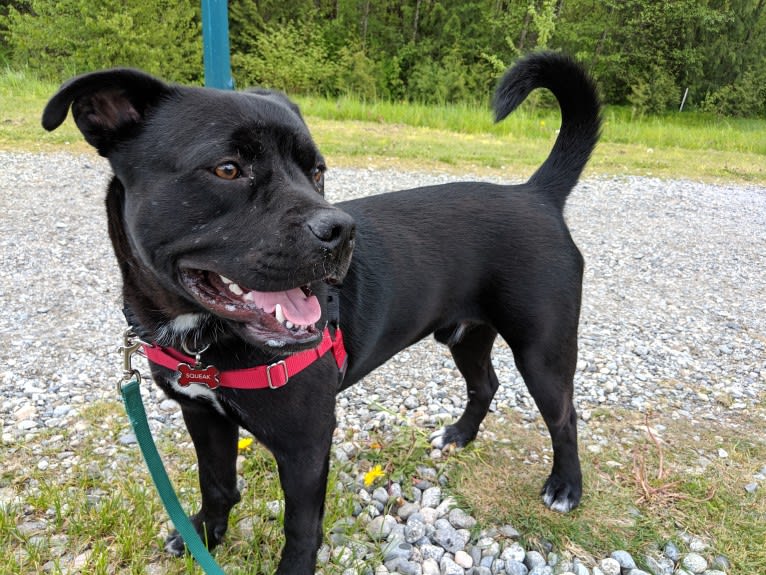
(198, 374)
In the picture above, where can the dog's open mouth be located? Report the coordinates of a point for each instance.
(277, 319)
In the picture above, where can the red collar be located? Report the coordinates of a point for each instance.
(272, 376)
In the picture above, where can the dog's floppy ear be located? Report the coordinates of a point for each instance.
(108, 106)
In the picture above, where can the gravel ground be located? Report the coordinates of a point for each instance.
(674, 315)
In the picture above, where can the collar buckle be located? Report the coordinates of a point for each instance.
(280, 378)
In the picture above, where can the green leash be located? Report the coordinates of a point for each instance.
(134, 406)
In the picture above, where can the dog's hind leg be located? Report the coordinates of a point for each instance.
(548, 371)
(471, 348)
(215, 441)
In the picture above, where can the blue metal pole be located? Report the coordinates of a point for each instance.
(215, 42)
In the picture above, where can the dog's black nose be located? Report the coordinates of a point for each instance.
(332, 228)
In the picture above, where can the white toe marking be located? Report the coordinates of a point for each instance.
(563, 505)
(437, 438)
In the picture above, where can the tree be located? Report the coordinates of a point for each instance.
(63, 38)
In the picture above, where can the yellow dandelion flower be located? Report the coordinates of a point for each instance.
(372, 475)
(244, 443)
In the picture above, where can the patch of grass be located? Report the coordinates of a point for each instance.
(688, 130)
(645, 482)
(101, 514)
(22, 99)
(460, 138)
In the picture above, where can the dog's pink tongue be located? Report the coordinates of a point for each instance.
(296, 305)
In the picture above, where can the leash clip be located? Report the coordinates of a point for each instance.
(130, 346)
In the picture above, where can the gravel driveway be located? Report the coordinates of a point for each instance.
(674, 299)
(674, 315)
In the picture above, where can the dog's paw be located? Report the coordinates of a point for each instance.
(174, 544)
(449, 436)
(559, 495)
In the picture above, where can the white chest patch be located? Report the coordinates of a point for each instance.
(198, 392)
(182, 327)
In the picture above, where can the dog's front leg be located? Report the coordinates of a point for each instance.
(303, 475)
(215, 441)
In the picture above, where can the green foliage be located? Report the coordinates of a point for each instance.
(291, 57)
(59, 39)
(655, 93)
(745, 98)
(544, 19)
(642, 53)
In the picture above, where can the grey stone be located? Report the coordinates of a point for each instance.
(430, 567)
(659, 565)
(396, 550)
(460, 519)
(450, 539)
(579, 569)
(404, 567)
(380, 495)
(694, 562)
(463, 559)
(534, 559)
(380, 527)
(510, 532)
(513, 552)
(409, 568)
(624, 559)
(431, 497)
(407, 509)
(671, 551)
(415, 528)
(513, 567)
(127, 439)
(697, 545)
(431, 552)
(449, 567)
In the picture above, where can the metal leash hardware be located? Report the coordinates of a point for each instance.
(130, 346)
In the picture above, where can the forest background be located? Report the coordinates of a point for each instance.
(646, 54)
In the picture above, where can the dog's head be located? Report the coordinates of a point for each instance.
(221, 204)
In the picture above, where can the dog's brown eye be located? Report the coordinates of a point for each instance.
(227, 171)
(317, 174)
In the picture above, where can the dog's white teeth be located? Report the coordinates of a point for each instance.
(235, 289)
(289, 325)
(279, 314)
(225, 280)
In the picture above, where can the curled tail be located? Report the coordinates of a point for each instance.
(580, 116)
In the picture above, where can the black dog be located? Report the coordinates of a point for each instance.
(229, 251)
